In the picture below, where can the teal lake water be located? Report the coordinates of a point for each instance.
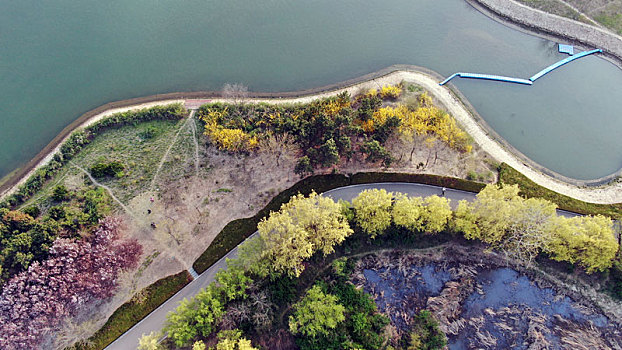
(61, 58)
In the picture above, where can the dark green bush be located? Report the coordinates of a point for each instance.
(149, 133)
(107, 169)
(303, 167)
(426, 334)
(60, 193)
(33, 211)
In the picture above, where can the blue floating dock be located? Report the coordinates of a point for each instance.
(488, 77)
(569, 49)
(562, 62)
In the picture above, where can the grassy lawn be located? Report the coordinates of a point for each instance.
(612, 21)
(139, 155)
(140, 149)
(509, 175)
(181, 160)
(130, 313)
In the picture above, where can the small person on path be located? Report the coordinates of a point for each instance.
(444, 189)
(151, 199)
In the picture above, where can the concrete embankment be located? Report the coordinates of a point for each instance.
(552, 26)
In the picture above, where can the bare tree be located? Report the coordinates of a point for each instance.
(235, 92)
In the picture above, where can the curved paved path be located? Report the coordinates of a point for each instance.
(155, 320)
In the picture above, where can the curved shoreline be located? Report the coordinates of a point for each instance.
(451, 98)
(552, 27)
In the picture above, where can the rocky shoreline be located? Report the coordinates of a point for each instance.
(552, 26)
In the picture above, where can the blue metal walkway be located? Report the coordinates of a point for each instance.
(488, 77)
(520, 80)
(562, 62)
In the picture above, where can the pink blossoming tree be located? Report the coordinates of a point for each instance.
(35, 301)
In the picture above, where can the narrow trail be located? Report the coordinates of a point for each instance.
(36, 199)
(193, 126)
(168, 150)
(96, 183)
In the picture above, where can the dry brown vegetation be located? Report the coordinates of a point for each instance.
(491, 327)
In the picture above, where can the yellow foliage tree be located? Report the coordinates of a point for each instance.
(436, 214)
(407, 212)
(301, 227)
(333, 106)
(587, 240)
(492, 212)
(465, 221)
(233, 340)
(372, 210)
(150, 341)
(426, 121)
(227, 139)
(199, 345)
(425, 100)
(232, 140)
(391, 91)
(507, 221)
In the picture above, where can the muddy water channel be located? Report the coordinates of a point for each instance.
(483, 306)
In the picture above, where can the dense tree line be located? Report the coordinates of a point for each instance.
(523, 228)
(329, 130)
(520, 228)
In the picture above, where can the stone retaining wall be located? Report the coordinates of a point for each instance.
(552, 25)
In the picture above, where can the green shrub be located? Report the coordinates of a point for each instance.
(303, 167)
(426, 334)
(60, 193)
(33, 211)
(107, 169)
(149, 133)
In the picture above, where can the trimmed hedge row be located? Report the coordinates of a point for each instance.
(436, 180)
(528, 188)
(80, 138)
(238, 230)
(130, 313)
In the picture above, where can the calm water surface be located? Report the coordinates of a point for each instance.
(60, 58)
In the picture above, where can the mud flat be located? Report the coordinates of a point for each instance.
(481, 303)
